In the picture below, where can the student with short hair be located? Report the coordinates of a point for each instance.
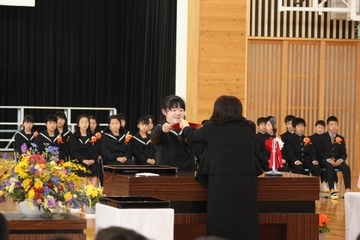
(122, 118)
(289, 132)
(332, 151)
(316, 140)
(94, 124)
(85, 148)
(142, 148)
(50, 137)
(27, 135)
(300, 150)
(115, 143)
(261, 123)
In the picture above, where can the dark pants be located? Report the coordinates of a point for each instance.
(314, 169)
(330, 170)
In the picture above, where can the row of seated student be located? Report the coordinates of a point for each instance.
(322, 150)
(88, 145)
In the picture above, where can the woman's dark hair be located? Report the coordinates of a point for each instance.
(77, 132)
(63, 116)
(107, 129)
(143, 120)
(169, 103)
(225, 108)
(118, 233)
(98, 128)
(28, 118)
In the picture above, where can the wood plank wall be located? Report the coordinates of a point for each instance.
(301, 74)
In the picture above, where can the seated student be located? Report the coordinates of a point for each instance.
(27, 135)
(85, 147)
(122, 120)
(261, 122)
(115, 143)
(332, 151)
(94, 124)
(50, 137)
(62, 128)
(316, 140)
(142, 148)
(300, 150)
(289, 132)
(262, 154)
(151, 123)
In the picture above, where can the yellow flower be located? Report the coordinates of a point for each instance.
(31, 194)
(38, 183)
(68, 196)
(26, 183)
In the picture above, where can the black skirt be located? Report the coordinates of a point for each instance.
(232, 210)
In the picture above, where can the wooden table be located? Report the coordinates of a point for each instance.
(287, 204)
(24, 228)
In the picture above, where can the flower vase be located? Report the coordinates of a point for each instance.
(322, 236)
(28, 212)
(89, 210)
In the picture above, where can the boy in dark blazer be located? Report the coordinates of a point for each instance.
(332, 151)
(300, 150)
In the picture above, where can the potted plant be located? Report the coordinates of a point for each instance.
(323, 225)
(92, 196)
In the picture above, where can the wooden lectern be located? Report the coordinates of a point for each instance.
(286, 204)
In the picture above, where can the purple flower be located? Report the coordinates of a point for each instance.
(51, 202)
(24, 148)
(55, 180)
(53, 150)
(34, 146)
(17, 184)
(32, 169)
(7, 156)
(47, 190)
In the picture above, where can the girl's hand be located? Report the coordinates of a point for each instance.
(166, 127)
(183, 123)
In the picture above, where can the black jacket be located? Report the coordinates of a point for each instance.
(21, 138)
(81, 148)
(297, 149)
(113, 147)
(173, 149)
(328, 149)
(142, 148)
(230, 146)
(43, 140)
(316, 141)
(285, 137)
(261, 153)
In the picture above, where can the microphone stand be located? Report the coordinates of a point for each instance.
(274, 172)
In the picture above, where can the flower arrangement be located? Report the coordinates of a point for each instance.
(91, 195)
(128, 138)
(323, 223)
(307, 141)
(44, 180)
(338, 140)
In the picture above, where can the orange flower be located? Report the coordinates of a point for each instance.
(307, 141)
(323, 222)
(93, 140)
(60, 140)
(36, 134)
(128, 138)
(338, 140)
(98, 135)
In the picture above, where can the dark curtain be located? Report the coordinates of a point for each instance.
(88, 53)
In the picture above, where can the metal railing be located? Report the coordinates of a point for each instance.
(20, 115)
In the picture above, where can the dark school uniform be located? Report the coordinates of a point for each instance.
(316, 141)
(43, 140)
(23, 138)
(142, 149)
(284, 137)
(113, 147)
(172, 149)
(301, 148)
(335, 150)
(83, 148)
(263, 155)
(65, 135)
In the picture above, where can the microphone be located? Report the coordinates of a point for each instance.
(273, 123)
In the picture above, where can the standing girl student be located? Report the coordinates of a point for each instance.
(171, 147)
(115, 143)
(64, 132)
(27, 135)
(85, 147)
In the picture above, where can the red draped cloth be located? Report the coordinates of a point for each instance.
(275, 157)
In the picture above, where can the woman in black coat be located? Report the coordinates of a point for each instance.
(232, 210)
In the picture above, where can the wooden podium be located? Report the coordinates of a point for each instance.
(23, 228)
(286, 204)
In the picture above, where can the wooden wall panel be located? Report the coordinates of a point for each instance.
(222, 53)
